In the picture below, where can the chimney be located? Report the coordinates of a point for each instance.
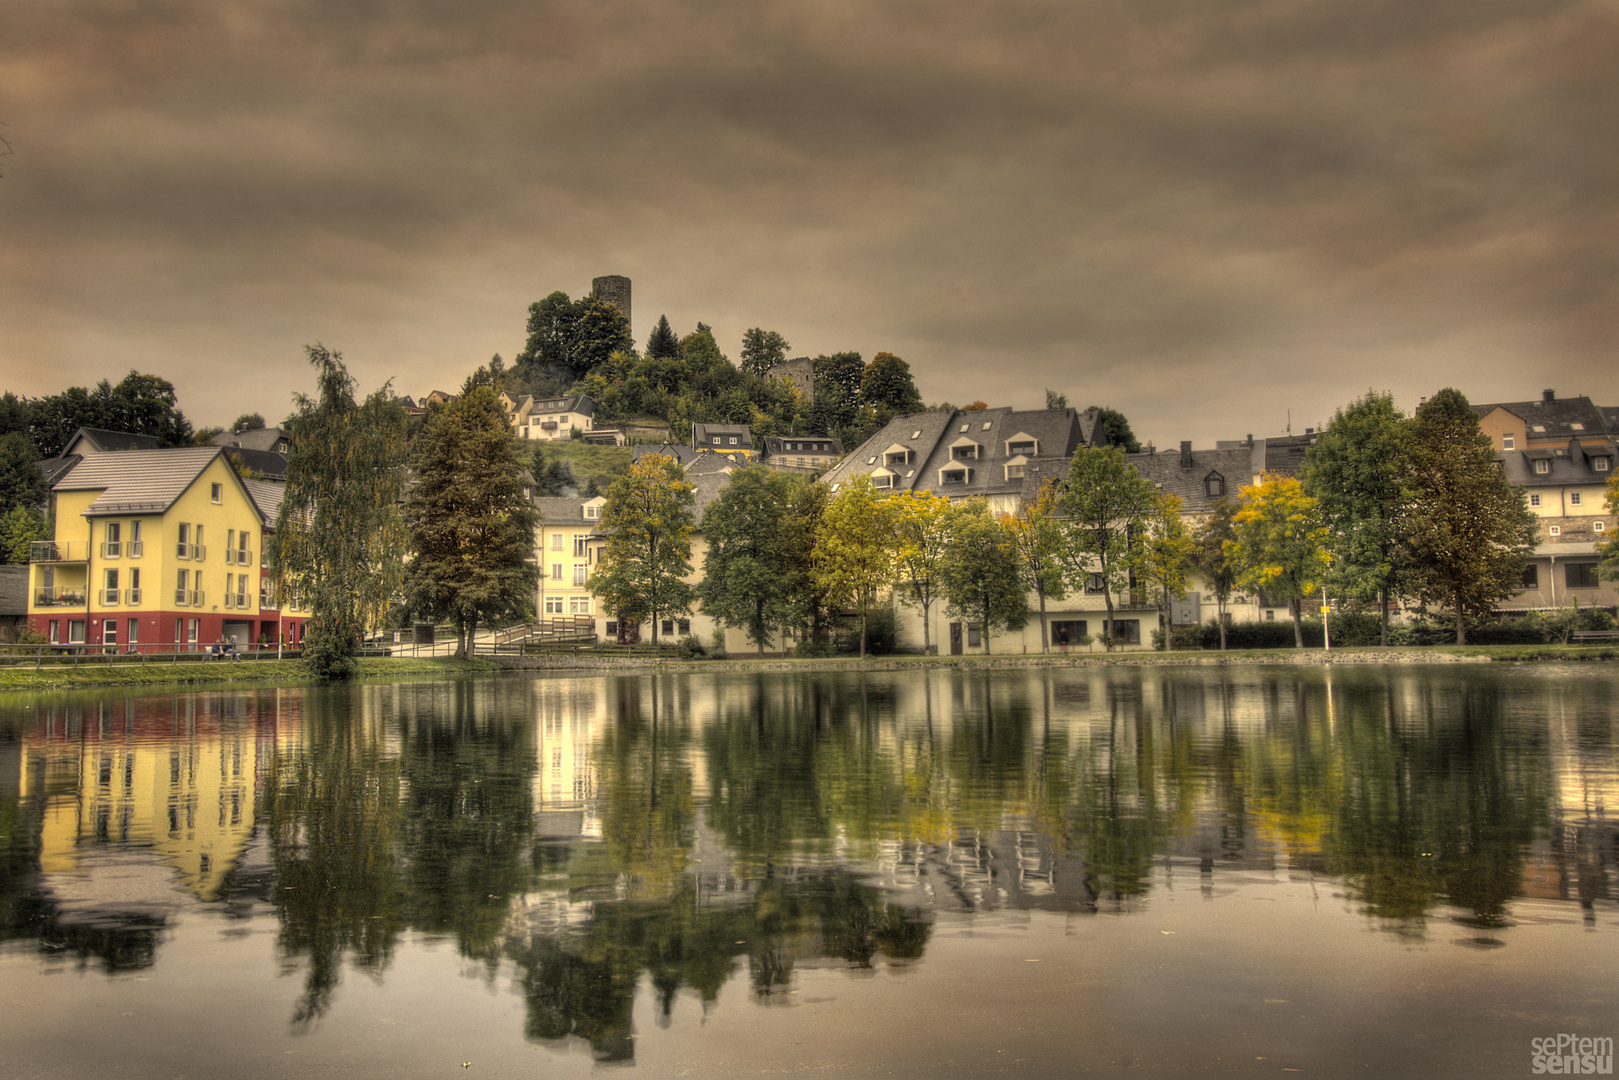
(1186, 453)
(1250, 441)
(1548, 395)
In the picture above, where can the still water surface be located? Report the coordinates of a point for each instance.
(1041, 872)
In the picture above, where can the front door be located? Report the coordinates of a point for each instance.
(955, 639)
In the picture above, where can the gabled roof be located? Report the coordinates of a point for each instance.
(266, 496)
(579, 403)
(702, 435)
(1567, 466)
(683, 454)
(262, 439)
(138, 481)
(89, 440)
(1554, 418)
(555, 510)
(271, 465)
(1167, 472)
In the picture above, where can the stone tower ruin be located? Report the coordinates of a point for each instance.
(615, 289)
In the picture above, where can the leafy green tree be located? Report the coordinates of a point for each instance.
(21, 484)
(491, 375)
(145, 405)
(855, 547)
(1280, 546)
(339, 539)
(662, 344)
(980, 573)
(841, 372)
(1056, 402)
(1357, 471)
(886, 386)
(1469, 531)
(808, 600)
(1211, 560)
(648, 522)
(1036, 541)
(471, 525)
(746, 577)
(1162, 557)
(248, 422)
(1117, 429)
(20, 528)
(762, 350)
(1103, 502)
(923, 538)
(1609, 567)
(700, 353)
(568, 338)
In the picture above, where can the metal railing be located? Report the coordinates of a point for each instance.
(238, 557)
(52, 551)
(61, 596)
(81, 653)
(132, 597)
(112, 550)
(136, 549)
(109, 597)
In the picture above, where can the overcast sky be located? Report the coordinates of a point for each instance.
(1210, 215)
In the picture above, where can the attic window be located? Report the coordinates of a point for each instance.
(1539, 427)
(916, 434)
(882, 480)
(1022, 446)
(1507, 442)
(954, 476)
(1599, 464)
(1577, 427)
(964, 450)
(1214, 485)
(986, 424)
(1543, 466)
(1017, 472)
(965, 428)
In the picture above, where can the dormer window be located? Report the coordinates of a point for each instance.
(1600, 464)
(1022, 443)
(1542, 466)
(897, 455)
(1016, 472)
(882, 478)
(954, 474)
(1214, 485)
(963, 449)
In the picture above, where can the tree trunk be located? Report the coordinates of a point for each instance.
(1219, 617)
(460, 639)
(927, 644)
(1297, 608)
(472, 638)
(1169, 627)
(1383, 599)
(862, 631)
(986, 629)
(1109, 626)
(1045, 638)
(1461, 627)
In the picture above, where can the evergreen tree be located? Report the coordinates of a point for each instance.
(887, 387)
(1117, 429)
(648, 522)
(339, 538)
(746, 576)
(1357, 471)
(1469, 531)
(471, 526)
(662, 344)
(980, 575)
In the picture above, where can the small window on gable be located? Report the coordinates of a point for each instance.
(218, 492)
(1507, 442)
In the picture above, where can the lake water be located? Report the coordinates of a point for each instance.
(1034, 872)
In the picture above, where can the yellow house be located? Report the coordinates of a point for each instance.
(158, 548)
(548, 418)
(565, 551)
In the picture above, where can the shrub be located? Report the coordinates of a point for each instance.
(689, 648)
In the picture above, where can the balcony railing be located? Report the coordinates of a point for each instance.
(132, 597)
(136, 548)
(180, 597)
(196, 598)
(112, 550)
(60, 596)
(53, 551)
(109, 597)
(244, 602)
(238, 557)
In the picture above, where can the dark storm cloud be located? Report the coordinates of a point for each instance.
(1204, 214)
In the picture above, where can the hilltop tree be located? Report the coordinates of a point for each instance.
(700, 353)
(1162, 558)
(855, 547)
(1280, 547)
(648, 522)
(1212, 561)
(1357, 471)
(21, 484)
(471, 524)
(1117, 429)
(886, 386)
(662, 344)
(339, 539)
(1036, 541)
(139, 404)
(923, 532)
(1056, 402)
(247, 422)
(762, 350)
(567, 338)
(980, 575)
(747, 580)
(1469, 530)
(1103, 503)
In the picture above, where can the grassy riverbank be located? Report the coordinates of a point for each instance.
(217, 673)
(294, 671)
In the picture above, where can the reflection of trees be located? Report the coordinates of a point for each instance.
(645, 794)
(333, 819)
(582, 983)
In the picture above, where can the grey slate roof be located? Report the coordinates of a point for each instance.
(1567, 466)
(775, 445)
(683, 454)
(1187, 473)
(266, 496)
(931, 435)
(264, 439)
(13, 591)
(1558, 418)
(555, 510)
(104, 442)
(703, 436)
(268, 462)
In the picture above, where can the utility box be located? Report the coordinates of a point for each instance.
(422, 633)
(1188, 612)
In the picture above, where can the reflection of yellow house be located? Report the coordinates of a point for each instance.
(188, 800)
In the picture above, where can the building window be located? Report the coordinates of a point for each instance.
(134, 539)
(556, 571)
(580, 572)
(1599, 526)
(75, 632)
(593, 512)
(1124, 631)
(112, 549)
(668, 627)
(1093, 584)
(1582, 575)
(1543, 466)
(193, 630)
(733, 440)
(54, 631)
(1531, 576)
(579, 540)
(1507, 442)
(1270, 615)
(556, 541)
(553, 605)
(1574, 498)
(1214, 485)
(1556, 530)
(579, 605)
(216, 492)
(1599, 464)
(1534, 500)
(182, 541)
(1067, 632)
(134, 631)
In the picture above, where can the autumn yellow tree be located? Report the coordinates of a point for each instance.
(854, 549)
(1036, 543)
(1162, 557)
(1281, 544)
(922, 534)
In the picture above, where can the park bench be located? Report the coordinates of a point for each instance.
(1582, 636)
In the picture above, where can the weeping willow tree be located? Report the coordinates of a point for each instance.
(339, 539)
